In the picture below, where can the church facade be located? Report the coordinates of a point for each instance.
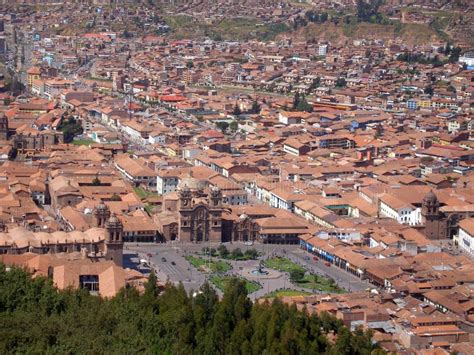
(193, 214)
(200, 215)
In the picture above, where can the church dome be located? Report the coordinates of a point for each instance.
(101, 206)
(113, 220)
(430, 198)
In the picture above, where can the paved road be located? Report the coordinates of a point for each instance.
(170, 265)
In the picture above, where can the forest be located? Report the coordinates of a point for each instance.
(35, 317)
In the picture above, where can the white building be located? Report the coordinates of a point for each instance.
(401, 211)
(467, 58)
(465, 237)
(323, 49)
(166, 181)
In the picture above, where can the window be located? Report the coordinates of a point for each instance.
(89, 282)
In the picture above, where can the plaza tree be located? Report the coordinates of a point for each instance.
(296, 275)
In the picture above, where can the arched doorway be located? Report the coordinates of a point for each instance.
(199, 234)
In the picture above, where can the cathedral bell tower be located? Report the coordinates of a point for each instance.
(3, 127)
(431, 216)
(114, 240)
(215, 212)
(101, 214)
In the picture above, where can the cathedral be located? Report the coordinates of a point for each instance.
(103, 241)
(195, 213)
(192, 214)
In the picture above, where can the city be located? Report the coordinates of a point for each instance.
(172, 159)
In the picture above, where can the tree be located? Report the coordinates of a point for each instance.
(151, 287)
(256, 108)
(429, 90)
(341, 83)
(251, 254)
(223, 125)
(96, 181)
(300, 103)
(233, 126)
(126, 34)
(368, 10)
(115, 197)
(237, 111)
(296, 275)
(70, 128)
(296, 100)
(447, 49)
(223, 251)
(455, 54)
(237, 254)
(315, 84)
(39, 318)
(189, 64)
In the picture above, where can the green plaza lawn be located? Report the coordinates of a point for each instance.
(205, 265)
(309, 281)
(220, 282)
(82, 142)
(287, 293)
(283, 264)
(319, 283)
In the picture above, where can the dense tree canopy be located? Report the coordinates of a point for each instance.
(37, 318)
(71, 128)
(301, 104)
(368, 10)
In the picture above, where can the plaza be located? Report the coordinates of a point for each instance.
(170, 261)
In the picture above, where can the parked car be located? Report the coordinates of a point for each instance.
(328, 264)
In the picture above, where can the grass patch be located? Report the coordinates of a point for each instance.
(238, 28)
(319, 283)
(142, 193)
(83, 142)
(149, 209)
(96, 78)
(236, 254)
(283, 264)
(221, 282)
(287, 293)
(205, 265)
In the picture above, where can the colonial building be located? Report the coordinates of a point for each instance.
(442, 222)
(27, 138)
(105, 240)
